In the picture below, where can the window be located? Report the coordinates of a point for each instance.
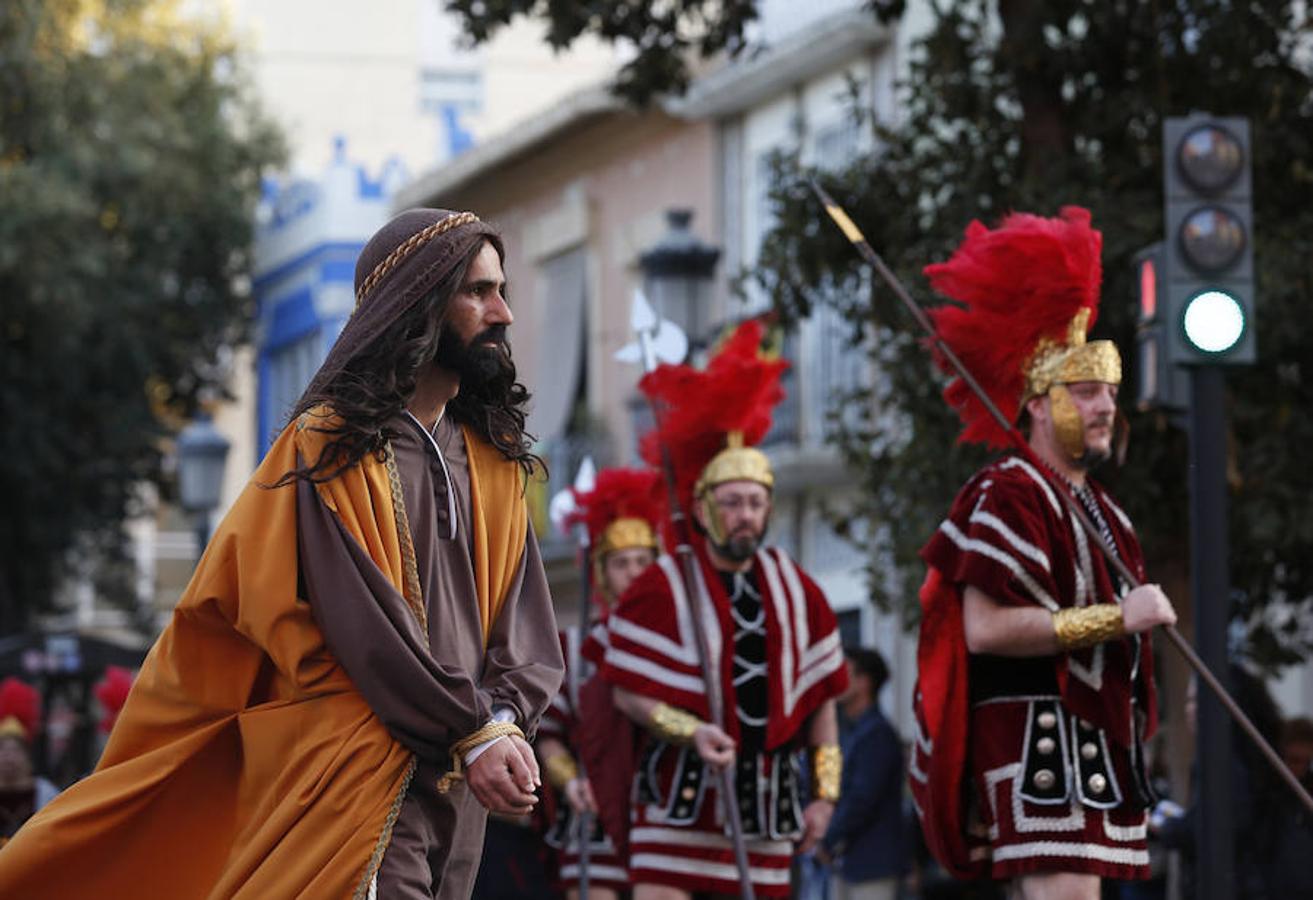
(836, 367)
(291, 367)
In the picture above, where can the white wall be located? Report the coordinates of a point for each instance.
(371, 72)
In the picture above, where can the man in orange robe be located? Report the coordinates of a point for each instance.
(346, 685)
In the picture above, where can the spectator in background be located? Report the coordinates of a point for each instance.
(22, 792)
(867, 833)
(1289, 870)
(1297, 748)
(1255, 793)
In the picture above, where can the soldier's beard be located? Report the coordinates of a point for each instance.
(740, 546)
(1093, 457)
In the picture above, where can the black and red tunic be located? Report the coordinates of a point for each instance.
(774, 641)
(1034, 764)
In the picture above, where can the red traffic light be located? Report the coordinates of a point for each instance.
(1148, 290)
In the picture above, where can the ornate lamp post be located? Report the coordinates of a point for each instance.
(677, 273)
(202, 452)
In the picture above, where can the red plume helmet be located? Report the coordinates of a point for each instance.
(619, 496)
(20, 709)
(1029, 292)
(711, 419)
(112, 692)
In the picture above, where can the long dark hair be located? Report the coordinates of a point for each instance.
(378, 380)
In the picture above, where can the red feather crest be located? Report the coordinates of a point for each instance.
(618, 494)
(737, 391)
(22, 702)
(112, 692)
(1021, 282)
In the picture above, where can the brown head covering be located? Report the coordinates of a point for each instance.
(402, 262)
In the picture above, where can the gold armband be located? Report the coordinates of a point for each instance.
(827, 770)
(1088, 625)
(561, 770)
(674, 726)
(489, 732)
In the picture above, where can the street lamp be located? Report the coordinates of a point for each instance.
(677, 272)
(202, 451)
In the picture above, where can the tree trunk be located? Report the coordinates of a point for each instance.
(1045, 142)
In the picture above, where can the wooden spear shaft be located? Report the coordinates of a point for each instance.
(693, 589)
(583, 820)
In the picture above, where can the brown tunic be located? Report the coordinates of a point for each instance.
(433, 690)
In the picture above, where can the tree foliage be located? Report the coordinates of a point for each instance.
(1031, 105)
(130, 163)
(665, 39)
(663, 36)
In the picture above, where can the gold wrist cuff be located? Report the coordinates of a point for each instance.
(1088, 625)
(674, 726)
(827, 771)
(560, 770)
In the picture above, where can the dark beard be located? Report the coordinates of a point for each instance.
(472, 361)
(741, 548)
(1092, 459)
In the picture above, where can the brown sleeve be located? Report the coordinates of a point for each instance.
(371, 631)
(523, 667)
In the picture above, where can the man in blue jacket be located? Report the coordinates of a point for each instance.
(867, 831)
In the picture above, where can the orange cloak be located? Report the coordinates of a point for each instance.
(245, 763)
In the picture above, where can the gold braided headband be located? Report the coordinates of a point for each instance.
(491, 731)
(408, 246)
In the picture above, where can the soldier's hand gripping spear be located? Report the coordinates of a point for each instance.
(658, 338)
(868, 254)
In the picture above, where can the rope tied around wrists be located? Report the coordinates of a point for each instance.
(489, 732)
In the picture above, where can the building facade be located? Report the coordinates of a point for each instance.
(579, 192)
(582, 192)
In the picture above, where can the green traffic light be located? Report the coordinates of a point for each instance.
(1214, 321)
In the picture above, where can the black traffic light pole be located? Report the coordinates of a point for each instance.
(1210, 577)
(1209, 262)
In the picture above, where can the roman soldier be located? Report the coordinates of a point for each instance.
(621, 514)
(773, 649)
(22, 792)
(1035, 691)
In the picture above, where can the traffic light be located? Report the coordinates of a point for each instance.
(1159, 383)
(1208, 258)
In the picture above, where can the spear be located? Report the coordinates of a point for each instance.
(868, 254)
(657, 338)
(563, 504)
